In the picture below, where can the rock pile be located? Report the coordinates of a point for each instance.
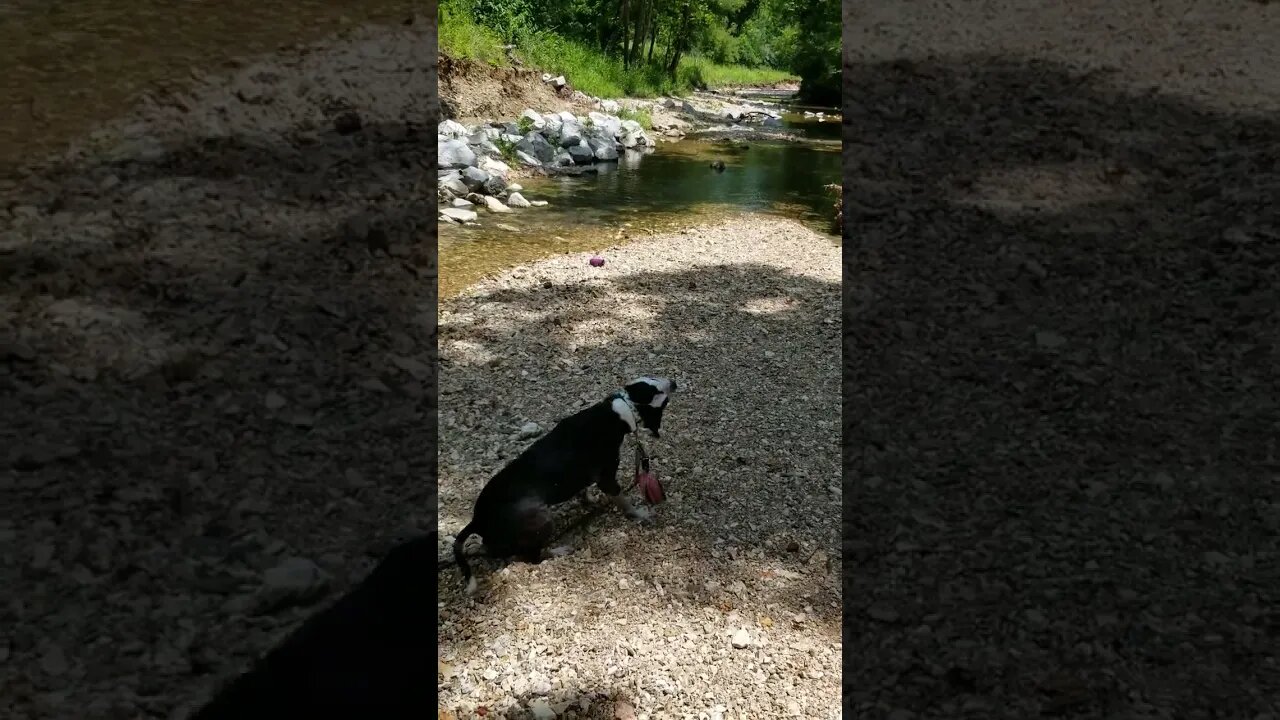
(473, 161)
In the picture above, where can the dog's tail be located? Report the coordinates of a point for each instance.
(461, 559)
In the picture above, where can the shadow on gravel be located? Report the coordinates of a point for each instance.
(211, 361)
(741, 487)
(1060, 397)
(586, 705)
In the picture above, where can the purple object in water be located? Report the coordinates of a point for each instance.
(597, 262)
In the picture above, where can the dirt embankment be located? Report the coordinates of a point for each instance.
(473, 92)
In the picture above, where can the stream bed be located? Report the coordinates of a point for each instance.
(671, 187)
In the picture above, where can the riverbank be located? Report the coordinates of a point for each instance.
(217, 328)
(612, 168)
(740, 569)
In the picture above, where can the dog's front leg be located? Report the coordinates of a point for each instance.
(631, 511)
(608, 484)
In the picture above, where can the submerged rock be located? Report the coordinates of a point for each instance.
(460, 214)
(495, 205)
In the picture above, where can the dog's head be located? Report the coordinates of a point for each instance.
(650, 396)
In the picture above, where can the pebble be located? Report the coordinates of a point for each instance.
(741, 639)
(882, 613)
(530, 429)
(53, 661)
(541, 710)
(294, 581)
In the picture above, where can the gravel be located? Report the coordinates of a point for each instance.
(1061, 360)
(652, 618)
(217, 375)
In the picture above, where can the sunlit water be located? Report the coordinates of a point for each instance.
(669, 188)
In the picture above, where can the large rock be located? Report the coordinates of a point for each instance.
(553, 127)
(534, 118)
(495, 167)
(454, 154)
(494, 205)
(567, 117)
(474, 178)
(495, 185)
(559, 81)
(563, 158)
(607, 153)
(517, 200)
(455, 186)
(608, 123)
(460, 214)
(536, 145)
(570, 134)
(452, 129)
(582, 154)
(528, 159)
(604, 149)
(610, 106)
(486, 149)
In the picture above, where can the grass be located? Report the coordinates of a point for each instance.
(641, 116)
(463, 37)
(589, 70)
(714, 75)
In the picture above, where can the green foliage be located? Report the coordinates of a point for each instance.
(508, 150)
(461, 36)
(641, 116)
(525, 124)
(642, 48)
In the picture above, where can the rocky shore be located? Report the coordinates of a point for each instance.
(478, 162)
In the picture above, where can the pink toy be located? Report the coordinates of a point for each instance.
(597, 262)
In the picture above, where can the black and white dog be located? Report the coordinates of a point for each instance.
(513, 512)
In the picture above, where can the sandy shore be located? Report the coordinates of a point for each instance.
(745, 314)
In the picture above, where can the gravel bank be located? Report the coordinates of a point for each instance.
(216, 361)
(1061, 360)
(744, 315)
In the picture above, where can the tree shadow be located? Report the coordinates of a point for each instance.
(750, 524)
(212, 360)
(1059, 394)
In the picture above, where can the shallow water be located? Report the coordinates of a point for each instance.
(668, 188)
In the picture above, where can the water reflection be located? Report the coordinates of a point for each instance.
(672, 187)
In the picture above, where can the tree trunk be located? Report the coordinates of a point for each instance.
(682, 36)
(626, 49)
(637, 44)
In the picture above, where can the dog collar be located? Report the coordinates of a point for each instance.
(631, 407)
